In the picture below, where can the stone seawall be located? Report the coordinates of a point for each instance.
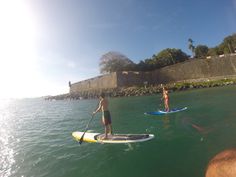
(97, 83)
(146, 90)
(195, 70)
(129, 79)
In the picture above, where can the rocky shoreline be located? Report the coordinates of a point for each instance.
(144, 90)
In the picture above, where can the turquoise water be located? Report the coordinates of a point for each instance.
(35, 136)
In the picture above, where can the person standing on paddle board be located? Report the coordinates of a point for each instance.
(165, 96)
(106, 116)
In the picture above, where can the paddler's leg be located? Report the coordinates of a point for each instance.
(106, 127)
(106, 131)
(108, 119)
(110, 129)
(167, 105)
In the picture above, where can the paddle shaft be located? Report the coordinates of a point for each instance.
(82, 137)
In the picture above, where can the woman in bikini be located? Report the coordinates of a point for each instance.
(166, 98)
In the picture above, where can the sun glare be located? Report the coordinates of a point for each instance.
(18, 59)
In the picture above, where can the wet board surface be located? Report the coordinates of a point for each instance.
(116, 138)
(160, 112)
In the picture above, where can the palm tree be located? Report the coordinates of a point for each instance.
(191, 46)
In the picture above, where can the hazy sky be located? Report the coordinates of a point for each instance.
(46, 43)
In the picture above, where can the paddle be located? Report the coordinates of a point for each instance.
(82, 137)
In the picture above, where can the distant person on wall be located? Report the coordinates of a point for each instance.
(165, 97)
(223, 164)
(69, 84)
(106, 117)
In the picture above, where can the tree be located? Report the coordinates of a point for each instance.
(115, 61)
(191, 46)
(144, 66)
(212, 52)
(220, 49)
(229, 44)
(201, 51)
(169, 57)
(164, 58)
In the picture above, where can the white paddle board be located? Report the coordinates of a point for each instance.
(116, 138)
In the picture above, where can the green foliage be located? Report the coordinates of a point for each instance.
(169, 57)
(219, 50)
(115, 61)
(229, 44)
(164, 58)
(215, 51)
(201, 51)
(146, 65)
(211, 52)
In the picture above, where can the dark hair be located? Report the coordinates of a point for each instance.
(102, 95)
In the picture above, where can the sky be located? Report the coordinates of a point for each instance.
(44, 44)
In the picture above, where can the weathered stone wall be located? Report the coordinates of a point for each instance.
(127, 79)
(97, 83)
(196, 69)
(190, 70)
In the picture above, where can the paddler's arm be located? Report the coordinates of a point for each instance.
(99, 107)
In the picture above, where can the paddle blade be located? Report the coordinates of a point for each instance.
(81, 139)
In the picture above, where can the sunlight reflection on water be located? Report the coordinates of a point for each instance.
(6, 151)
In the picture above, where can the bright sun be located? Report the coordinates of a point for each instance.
(18, 59)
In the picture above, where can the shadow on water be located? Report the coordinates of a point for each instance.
(188, 125)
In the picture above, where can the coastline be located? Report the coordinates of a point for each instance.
(146, 90)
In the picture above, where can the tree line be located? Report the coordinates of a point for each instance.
(116, 61)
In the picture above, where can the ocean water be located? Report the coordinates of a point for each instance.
(36, 141)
